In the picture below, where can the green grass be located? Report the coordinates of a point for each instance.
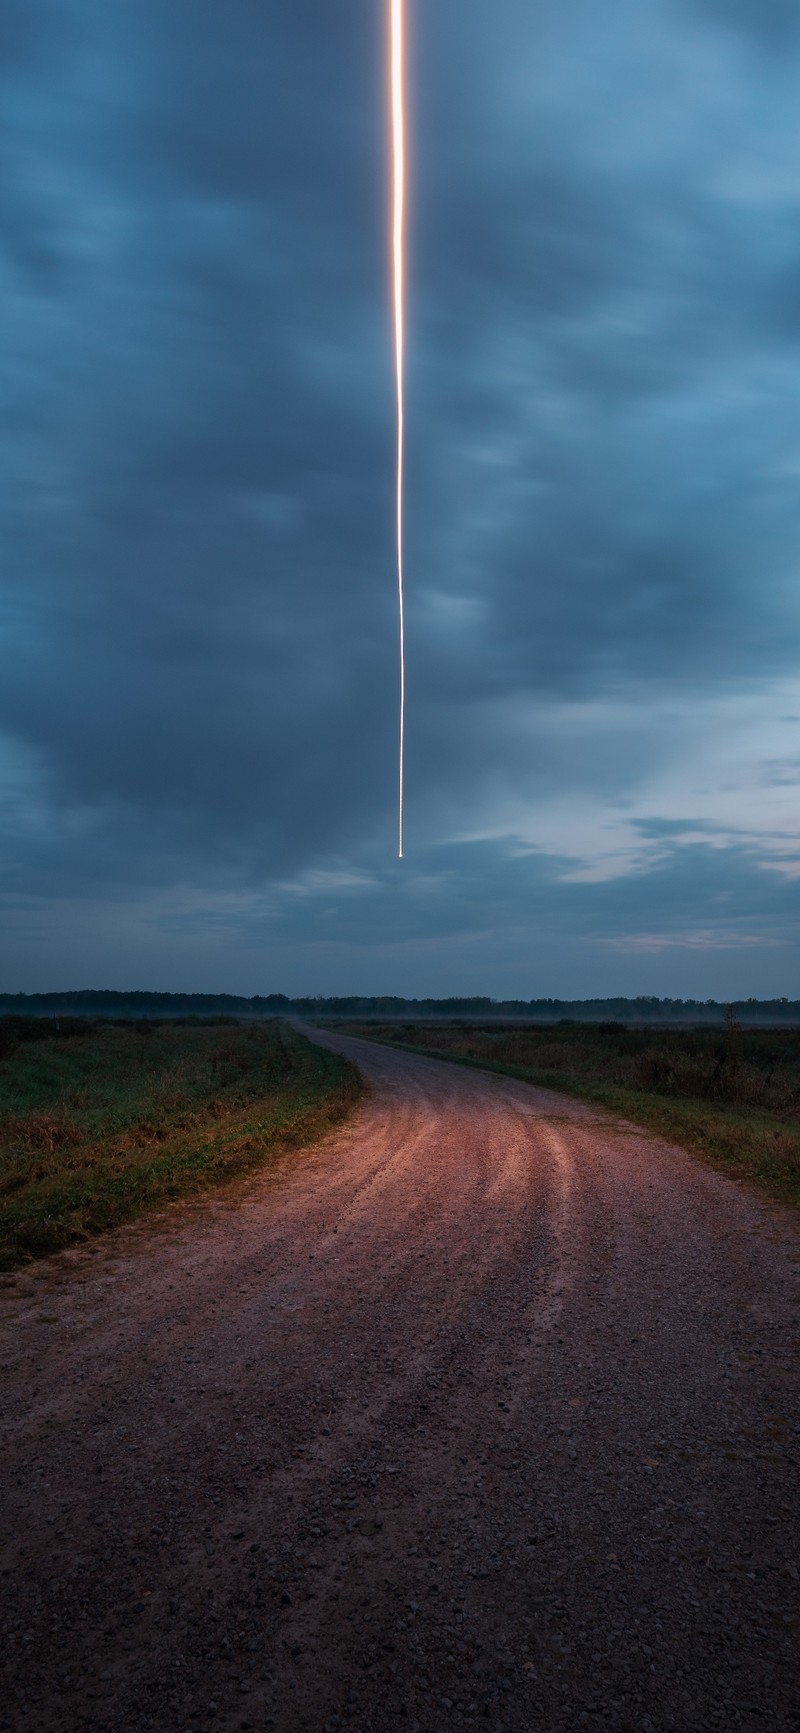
(731, 1096)
(100, 1122)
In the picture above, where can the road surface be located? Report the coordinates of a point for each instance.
(482, 1413)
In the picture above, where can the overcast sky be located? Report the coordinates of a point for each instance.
(198, 702)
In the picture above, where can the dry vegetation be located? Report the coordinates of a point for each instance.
(99, 1121)
(732, 1095)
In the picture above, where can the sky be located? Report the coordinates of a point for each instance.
(198, 609)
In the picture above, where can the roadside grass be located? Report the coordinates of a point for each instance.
(100, 1122)
(732, 1096)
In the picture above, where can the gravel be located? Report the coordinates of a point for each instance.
(482, 1413)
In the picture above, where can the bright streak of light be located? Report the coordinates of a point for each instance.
(397, 78)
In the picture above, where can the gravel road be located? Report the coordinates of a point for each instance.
(482, 1413)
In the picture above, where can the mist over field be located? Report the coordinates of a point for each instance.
(142, 1006)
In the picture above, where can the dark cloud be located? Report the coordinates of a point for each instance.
(30, 32)
(771, 23)
(199, 698)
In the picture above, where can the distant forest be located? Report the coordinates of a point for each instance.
(641, 1010)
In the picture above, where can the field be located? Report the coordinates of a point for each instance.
(731, 1095)
(100, 1121)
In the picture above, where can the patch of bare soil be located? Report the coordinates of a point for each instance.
(483, 1413)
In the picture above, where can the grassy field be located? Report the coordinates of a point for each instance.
(731, 1095)
(101, 1121)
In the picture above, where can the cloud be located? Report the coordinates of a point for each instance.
(770, 23)
(198, 606)
(654, 944)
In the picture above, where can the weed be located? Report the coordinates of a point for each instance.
(101, 1123)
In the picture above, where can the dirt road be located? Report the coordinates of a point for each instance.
(482, 1413)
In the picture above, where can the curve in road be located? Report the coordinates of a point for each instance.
(481, 1413)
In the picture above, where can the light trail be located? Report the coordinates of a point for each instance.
(397, 80)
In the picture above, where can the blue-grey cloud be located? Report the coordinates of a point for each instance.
(198, 617)
(773, 23)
